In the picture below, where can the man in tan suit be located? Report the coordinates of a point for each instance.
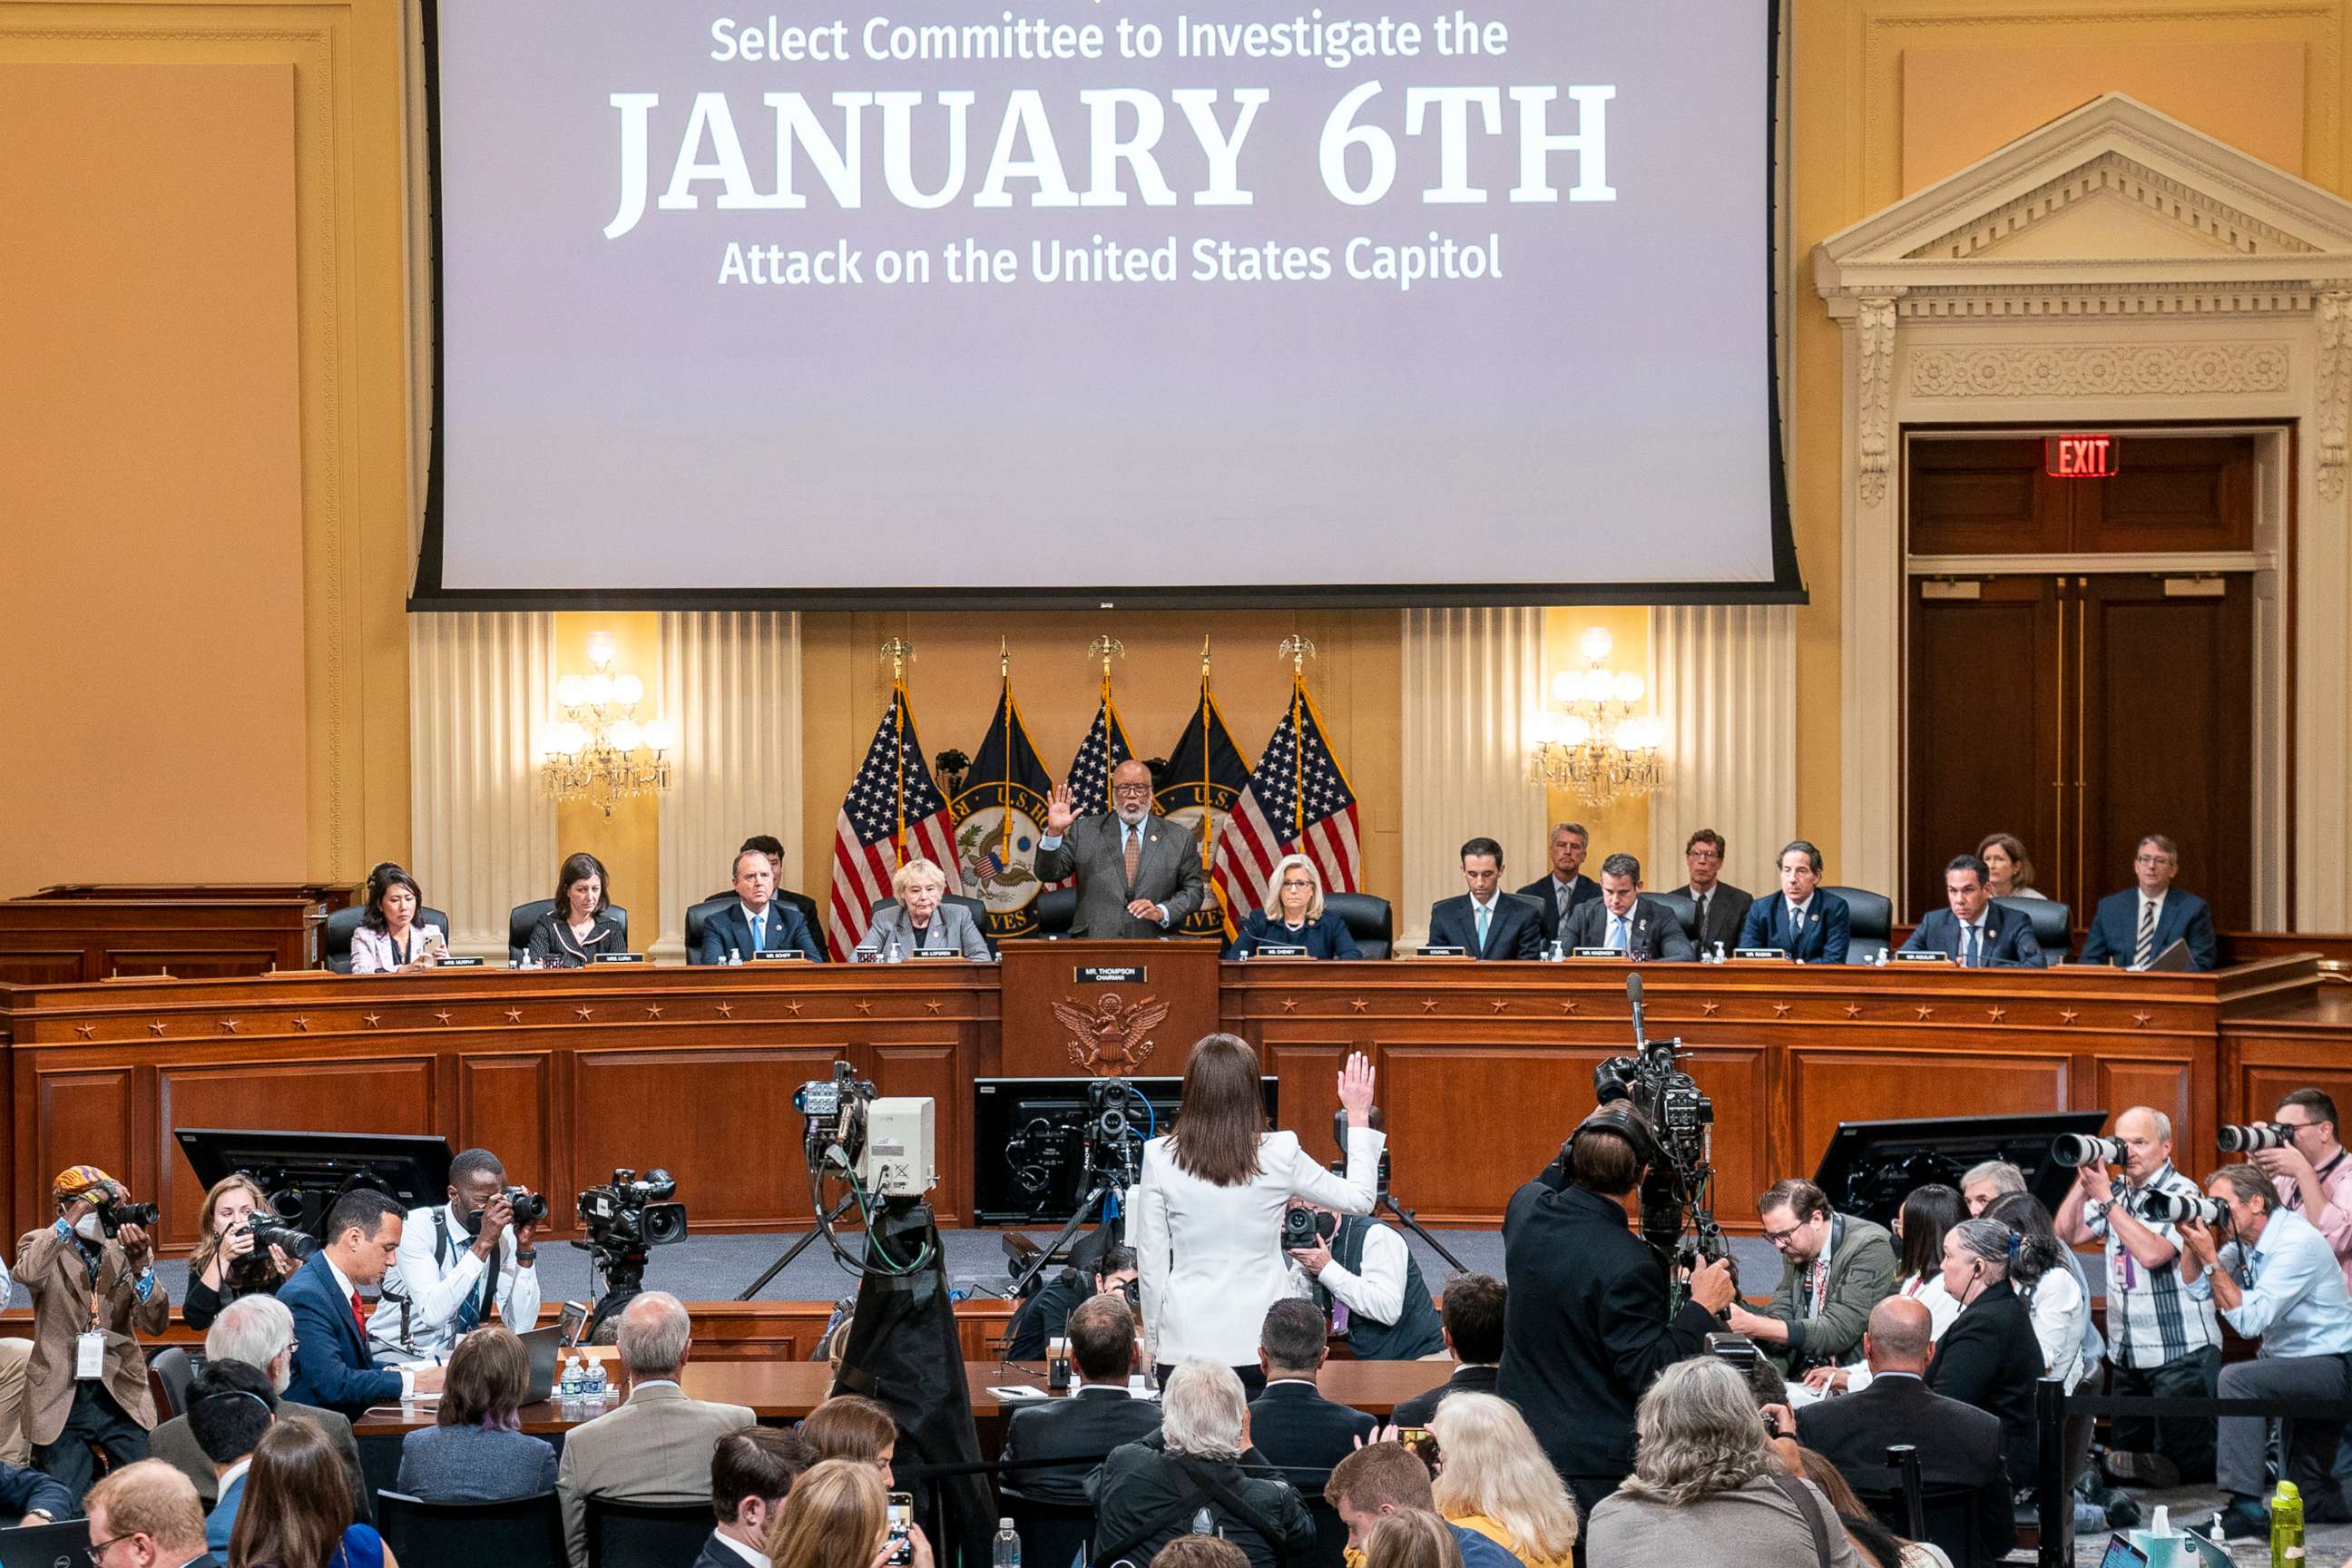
(82, 1280)
(657, 1447)
(14, 1353)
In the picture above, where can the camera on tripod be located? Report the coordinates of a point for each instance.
(2171, 1209)
(626, 1215)
(113, 1214)
(2076, 1150)
(887, 1143)
(2253, 1138)
(1678, 1187)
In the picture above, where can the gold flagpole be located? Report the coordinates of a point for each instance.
(898, 650)
(1299, 649)
(1004, 803)
(1103, 647)
(1206, 817)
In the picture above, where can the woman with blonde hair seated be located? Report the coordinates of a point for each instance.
(1495, 1480)
(921, 921)
(837, 1515)
(1411, 1538)
(1297, 917)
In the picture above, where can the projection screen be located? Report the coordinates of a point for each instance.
(1068, 301)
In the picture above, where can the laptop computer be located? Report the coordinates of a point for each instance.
(543, 1347)
(63, 1545)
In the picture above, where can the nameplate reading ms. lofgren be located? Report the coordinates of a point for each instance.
(1110, 974)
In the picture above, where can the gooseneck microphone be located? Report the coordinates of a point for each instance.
(1634, 995)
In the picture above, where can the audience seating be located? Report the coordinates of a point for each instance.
(1685, 911)
(1870, 922)
(1370, 919)
(1053, 1534)
(700, 915)
(976, 907)
(523, 917)
(171, 1369)
(2052, 926)
(628, 1534)
(527, 1532)
(342, 922)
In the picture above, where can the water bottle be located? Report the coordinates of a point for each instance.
(734, 957)
(2286, 1526)
(568, 1389)
(1006, 1553)
(598, 1390)
(1720, 956)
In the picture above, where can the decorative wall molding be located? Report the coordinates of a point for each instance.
(2114, 176)
(1472, 680)
(2069, 336)
(1724, 679)
(730, 683)
(2098, 370)
(484, 832)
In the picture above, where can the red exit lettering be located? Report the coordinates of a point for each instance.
(2081, 457)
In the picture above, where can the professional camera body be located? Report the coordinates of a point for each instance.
(887, 1144)
(529, 1207)
(113, 1214)
(2253, 1138)
(2075, 1150)
(626, 1215)
(1304, 1227)
(2171, 1209)
(267, 1233)
(1678, 1188)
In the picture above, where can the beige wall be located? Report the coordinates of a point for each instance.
(225, 249)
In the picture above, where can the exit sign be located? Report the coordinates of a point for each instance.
(2081, 457)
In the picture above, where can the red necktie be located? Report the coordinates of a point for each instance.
(359, 1316)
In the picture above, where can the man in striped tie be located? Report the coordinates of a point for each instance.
(2133, 928)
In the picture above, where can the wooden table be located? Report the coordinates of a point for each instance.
(788, 1389)
(84, 930)
(1484, 1067)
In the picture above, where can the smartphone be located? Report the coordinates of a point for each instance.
(902, 1526)
(1422, 1444)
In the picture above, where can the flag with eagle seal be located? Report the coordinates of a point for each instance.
(998, 814)
(1205, 775)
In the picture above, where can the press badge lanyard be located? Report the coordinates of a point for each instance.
(89, 1347)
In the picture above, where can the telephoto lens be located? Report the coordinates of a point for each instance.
(2171, 1209)
(2250, 1138)
(2075, 1149)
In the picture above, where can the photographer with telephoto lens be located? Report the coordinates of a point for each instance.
(2298, 1150)
(2160, 1338)
(2275, 1280)
(243, 1251)
(457, 1262)
(91, 1274)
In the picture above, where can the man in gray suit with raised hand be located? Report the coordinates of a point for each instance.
(657, 1447)
(1138, 873)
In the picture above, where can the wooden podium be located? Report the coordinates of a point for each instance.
(1107, 1009)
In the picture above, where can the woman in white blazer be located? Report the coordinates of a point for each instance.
(921, 921)
(1207, 1208)
(389, 941)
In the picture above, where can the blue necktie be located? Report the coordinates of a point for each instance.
(1482, 929)
(1617, 932)
(760, 932)
(1976, 948)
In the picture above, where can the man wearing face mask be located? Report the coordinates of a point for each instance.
(87, 1381)
(459, 1261)
(1137, 874)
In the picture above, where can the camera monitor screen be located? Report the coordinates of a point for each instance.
(1870, 1167)
(304, 1172)
(1029, 1139)
(1060, 301)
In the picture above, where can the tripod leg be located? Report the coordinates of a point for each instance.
(1404, 1217)
(797, 1247)
(1077, 1220)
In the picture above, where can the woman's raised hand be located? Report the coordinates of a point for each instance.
(1355, 1091)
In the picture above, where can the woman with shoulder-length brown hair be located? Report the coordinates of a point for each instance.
(837, 1515)
(1207, 1220)
(296, 1512)
(475, 1450)
(226, 1264)
(2009, 872)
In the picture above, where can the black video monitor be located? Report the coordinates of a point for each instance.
(304, 1172)
(1870, 1167)
(1029, 1139)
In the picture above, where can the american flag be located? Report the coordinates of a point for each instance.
(1104, 749)
(893, 790)
(1298, 802)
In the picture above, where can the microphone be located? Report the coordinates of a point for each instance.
(1633, 996)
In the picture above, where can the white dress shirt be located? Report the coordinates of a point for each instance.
(1210, 1258)
(757, 1559)
(437, 1289)
(1377, 1291)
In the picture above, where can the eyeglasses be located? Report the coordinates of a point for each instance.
(2151, 859)
(1131, 789)
(97, 1552)
(1777, 1236)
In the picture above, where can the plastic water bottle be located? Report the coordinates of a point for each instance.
(2286, 1526)
(568, 1388)
(1006, 1553)
(596, 1389)
(734, 957)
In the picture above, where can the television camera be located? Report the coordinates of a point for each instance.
(1678, 1185)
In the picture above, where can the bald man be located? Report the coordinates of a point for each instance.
(1959, 1446)
(1138, 873)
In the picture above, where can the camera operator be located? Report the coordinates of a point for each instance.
(1588, 1321)
(1367, 1278)
(456, 1261)
(2276, 1281)
(1834, 1267)
(1047, 1315)
(92, 1279)
(2313, 1177)
(228, 1263)
(2160, 1338)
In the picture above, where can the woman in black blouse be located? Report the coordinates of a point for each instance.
(580, 926)
(226, 1264)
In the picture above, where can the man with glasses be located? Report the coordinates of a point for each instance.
(1138, 873)
(1834, 1267)
(2133, 927)
(145, 1515)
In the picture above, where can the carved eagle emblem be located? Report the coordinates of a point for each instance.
(1110, 1039)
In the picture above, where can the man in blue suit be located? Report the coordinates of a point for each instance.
(331, 1354)
(1804, 922)
(1485, 921)
(1974, 932)
(2131, 928)
(757, 921)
